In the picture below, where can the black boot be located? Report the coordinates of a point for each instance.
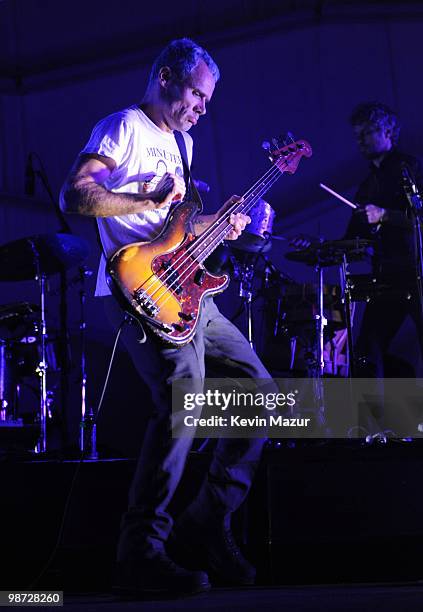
(157, 573)
(212, 548)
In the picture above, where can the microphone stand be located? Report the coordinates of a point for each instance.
(88, 426)
(41, 446)
(65, 228)
(416, 208)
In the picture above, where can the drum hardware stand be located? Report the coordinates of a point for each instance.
(42, 370)
(416, 208)
(41, 174)
(346, 299)
(293, 348)
(321, 322)
(88, 427)
(270, 270)
(246, 286)
(246, 292)
(41, 446)
(3, 400)
(8, 407)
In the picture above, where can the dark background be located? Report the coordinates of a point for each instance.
(299, 66)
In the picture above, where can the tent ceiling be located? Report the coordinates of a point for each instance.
(42, 36)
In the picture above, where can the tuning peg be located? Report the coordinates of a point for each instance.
(266, 146)
(287, 138)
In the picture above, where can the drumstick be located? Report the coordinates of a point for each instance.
(328, 189)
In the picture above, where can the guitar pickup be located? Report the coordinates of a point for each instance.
(180, 327)
(199, 277)
(187, 316)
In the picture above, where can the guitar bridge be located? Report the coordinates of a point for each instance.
(146, 302)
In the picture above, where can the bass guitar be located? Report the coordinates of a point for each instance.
(164, 282)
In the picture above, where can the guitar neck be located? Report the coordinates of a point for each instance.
(284, 160)
(217, 232)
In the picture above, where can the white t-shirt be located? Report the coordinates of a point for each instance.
(143, 153)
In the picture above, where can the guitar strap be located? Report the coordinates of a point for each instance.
(192, 191)
(217, 262)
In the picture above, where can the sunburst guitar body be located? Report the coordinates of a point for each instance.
(164, 282)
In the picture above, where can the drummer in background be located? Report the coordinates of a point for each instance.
(385, 219)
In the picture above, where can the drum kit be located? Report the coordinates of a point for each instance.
(308, 326)
(27, 348)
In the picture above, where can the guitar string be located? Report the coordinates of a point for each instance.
(195, 263)
(275, 169)
(198, 244)
(192, 258)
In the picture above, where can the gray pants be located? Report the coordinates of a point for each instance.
(146, 525)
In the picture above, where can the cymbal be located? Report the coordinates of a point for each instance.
(252, 243)
(48, 254)
(331, 252)
(349, 245)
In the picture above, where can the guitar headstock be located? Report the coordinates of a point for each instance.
(287, 152)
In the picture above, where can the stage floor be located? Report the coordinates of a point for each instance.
(328, 598)
(319, 513)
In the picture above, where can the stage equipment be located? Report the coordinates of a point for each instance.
(164, 282)
(257, 236)
(337, 195)
(244, 271)
(415, 207)
(333, 253)
(368, 287)
(88, 425)
(325, 254)
(36, 258)
(247, 251)
(290, 318)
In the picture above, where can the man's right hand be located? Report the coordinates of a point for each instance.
(170, 188)
(84, 192)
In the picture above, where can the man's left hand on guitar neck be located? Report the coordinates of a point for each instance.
(238, 221)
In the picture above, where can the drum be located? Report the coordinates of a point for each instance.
(369, 287)
(290, 338)
(16, 320)
(297, 305)
(26, 353)
(335, 354)
(8, 384)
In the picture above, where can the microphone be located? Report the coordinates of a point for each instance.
(410, 188)
(29, 177)
(201, 185)
(407, 177)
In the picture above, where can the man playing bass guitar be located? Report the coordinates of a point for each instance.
(127, 176)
